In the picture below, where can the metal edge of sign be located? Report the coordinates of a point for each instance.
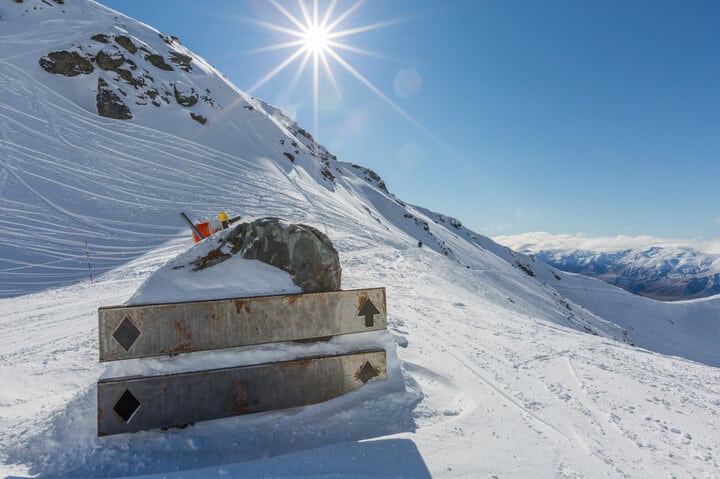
(221, 300)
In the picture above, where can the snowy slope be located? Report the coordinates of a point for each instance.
(484, 390)
(492, 372)
(689, 329)
(68, 176)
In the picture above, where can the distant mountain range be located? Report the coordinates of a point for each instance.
(664, 273)
(498, 364)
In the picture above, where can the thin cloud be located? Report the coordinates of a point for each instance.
(537, 241)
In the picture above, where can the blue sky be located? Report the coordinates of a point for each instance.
(595, 117)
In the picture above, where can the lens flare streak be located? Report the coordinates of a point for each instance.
(316, 37)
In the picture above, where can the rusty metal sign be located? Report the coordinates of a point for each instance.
(127, 332)
(150, 402)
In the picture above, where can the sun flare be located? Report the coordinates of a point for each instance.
(316, 39)
(314, 35)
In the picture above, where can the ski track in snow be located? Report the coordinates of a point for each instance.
(198, 172)
(497, 375)
(550, 386)
(518, 393)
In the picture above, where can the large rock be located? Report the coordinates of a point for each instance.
(109, 103)
(185, 95)
(181, 60)
(66, 63)
(304, 252)
(126, 43)
(109, 61)
(158, 61)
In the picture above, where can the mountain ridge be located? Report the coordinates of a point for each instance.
(666, 273)
(506, 365)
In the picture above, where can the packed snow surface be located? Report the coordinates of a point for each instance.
(498, 365)
(486, 387)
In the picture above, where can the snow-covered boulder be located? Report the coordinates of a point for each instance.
(302, 251)
(267, 256)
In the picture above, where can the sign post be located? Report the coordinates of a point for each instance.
(138, 403)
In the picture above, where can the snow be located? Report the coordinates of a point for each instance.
(481, 390)
(178, 280)
(498, 365)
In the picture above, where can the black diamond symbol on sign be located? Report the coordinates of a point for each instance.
(126, 333)
(367, 372)
(126, 406)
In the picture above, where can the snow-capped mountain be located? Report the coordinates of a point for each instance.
(496, 372)
(668, 273)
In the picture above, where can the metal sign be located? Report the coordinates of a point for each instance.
(138, 331)
(141, 403)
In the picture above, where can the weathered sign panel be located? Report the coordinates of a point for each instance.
(149, 402)
(127, 332)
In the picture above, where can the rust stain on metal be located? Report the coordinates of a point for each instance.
(302, 363)
(177, 326)
(225, 399)
(182, 344)
(239, 398)
(239, 304)
(179, 333)
(186, 347)
(321, 339)
(208, 311)
(292, 299)
(362, 299)
(242, 305)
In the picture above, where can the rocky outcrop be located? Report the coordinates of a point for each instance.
(185, 97)
(198, 118)
(109, 103)
(113, 62)
(304, 252)
(108, 61)
(158, 62)
(181, 60)
(126, 43)
(132, 81)
(66, 63)
(100, 37)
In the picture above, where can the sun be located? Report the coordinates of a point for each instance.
(314, 36)
(316, 39)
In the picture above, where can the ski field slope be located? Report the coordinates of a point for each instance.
(499, 366)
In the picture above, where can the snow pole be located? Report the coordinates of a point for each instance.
(192, 226)
(87, 255)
